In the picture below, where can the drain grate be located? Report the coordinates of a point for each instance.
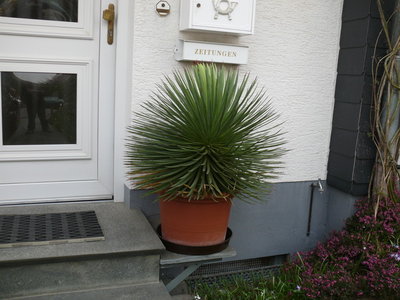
(222, 278)
(216, 274)
(235, 266)
(22, 230)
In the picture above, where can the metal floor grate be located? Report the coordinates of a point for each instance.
(248, 269)
(38, 229)
(221, 278)
(239, 265)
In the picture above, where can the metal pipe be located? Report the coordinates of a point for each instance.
(320, 189)
(310, 209)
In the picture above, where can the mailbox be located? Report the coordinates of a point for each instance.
(220, 16)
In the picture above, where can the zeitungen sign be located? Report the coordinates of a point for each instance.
(211, 52)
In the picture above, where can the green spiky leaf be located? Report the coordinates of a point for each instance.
(205, 132)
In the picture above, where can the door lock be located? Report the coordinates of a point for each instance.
(109, 16)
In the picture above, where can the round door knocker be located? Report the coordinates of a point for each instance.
(224, 7)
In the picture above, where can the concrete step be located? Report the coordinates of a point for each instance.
(153, 291)
(128, 255)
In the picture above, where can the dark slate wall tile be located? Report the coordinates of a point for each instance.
(365, 118)
(346, 116)
(356, 9)
(373, 34)
(354, 89)
(359, 189)
(340, 184)
(365, 148)
(362, 170)
(362, 32)
(367, 90)
(369, 58)
(355, 33)
(340, 166)
(355, 189)
(344, 142)
(352, 61)
(349, 88)
(341, 169)
(357, 61)
(388, 7)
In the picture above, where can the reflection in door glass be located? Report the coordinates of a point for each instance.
(54, 10)
(38, 108)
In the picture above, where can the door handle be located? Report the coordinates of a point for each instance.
(109, 16)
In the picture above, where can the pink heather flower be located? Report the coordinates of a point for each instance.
(357, 261)
(396, 256)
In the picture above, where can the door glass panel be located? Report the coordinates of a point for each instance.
(38, 108)
(53, 10)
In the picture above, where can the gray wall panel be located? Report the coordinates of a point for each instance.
(340, 207)
(277, 226)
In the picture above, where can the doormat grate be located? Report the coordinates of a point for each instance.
(44, 229)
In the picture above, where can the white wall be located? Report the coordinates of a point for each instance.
(293, 52)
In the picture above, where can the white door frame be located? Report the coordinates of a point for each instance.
(123, 91)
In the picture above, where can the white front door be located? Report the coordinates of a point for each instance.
(57, 101)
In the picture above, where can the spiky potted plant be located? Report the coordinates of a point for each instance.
(204, 137)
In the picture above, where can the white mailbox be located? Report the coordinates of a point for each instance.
(225, 16)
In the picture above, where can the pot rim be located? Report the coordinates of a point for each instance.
(203, 200)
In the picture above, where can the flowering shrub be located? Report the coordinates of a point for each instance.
(361, 260)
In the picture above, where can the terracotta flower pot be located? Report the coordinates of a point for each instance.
(194, 223)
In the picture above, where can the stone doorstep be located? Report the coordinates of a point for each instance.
(59, 277)
(153, 291)
(129, 255)
(126, 231)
